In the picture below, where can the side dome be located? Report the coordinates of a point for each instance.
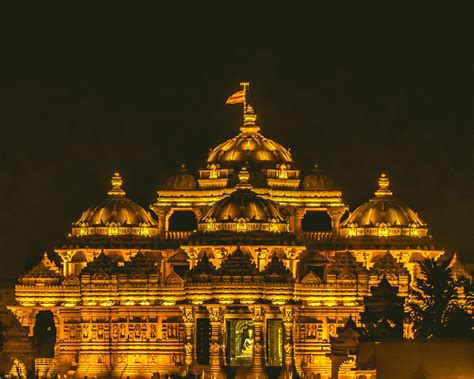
(250, 148)
(317, 180)
(182, 181)
(243, 211)
(116, 215)
(384, 216)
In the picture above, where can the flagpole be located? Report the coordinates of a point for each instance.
(245, 86)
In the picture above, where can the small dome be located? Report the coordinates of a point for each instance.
(243, 210)
(182, 180)
(250, 148)
(317, 180)
(384, 216)
(116, 215)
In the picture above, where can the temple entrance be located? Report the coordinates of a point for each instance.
(182, 221)
(203, 336)
(316, 221)
(274, 343)
(44, 332)
(240, 338)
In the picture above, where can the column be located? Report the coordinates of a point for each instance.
(299, 214)
(216, 318)
(288, 347)
(188, 320)
(258, 320)
(293, 257)
(162, 214)
(336, 215)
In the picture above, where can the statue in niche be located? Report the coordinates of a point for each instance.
(72, 332)
(137, 331)
(153, 331)
(247, 345)
(100, 333)
(311, 331)
(123, 331)
(85, 331)
(115, 331)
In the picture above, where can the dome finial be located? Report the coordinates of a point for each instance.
(383, 186)
(116, 186)
(250, 117)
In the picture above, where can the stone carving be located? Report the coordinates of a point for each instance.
(85, 331)
(188, 347)
(215, 348)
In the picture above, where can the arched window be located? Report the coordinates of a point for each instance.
(44, 332)
(182, 221)
(316, 221)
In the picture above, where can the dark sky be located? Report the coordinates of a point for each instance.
(360, 88)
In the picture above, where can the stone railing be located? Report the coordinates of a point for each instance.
(178, 235)
(318, 236)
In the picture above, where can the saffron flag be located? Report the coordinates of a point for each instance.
(236, 98)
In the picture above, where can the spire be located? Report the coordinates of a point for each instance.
(250, 117)
(383, 186)
(116, 186)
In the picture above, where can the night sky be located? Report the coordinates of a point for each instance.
(359, 88)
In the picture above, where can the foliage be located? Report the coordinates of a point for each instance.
(436, 309)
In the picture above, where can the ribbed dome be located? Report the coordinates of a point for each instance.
(116, 215)
(243, 210)
(182, 180)
(250, 148)
(317, 180)
(384, 216)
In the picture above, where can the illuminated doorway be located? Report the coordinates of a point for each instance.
(240, 338)
(274, 343)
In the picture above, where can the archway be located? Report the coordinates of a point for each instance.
(316, 221)
(182, 221)
(44, 333)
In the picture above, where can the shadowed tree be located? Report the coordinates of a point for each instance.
(435, 310)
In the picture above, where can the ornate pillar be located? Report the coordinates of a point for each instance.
(288, 348)
(336, 215)
(162, 214)
(299, 214)
(293, 257)
(216, 318)
(258, 320)
(188, 319)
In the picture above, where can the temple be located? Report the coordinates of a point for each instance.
(250, 267)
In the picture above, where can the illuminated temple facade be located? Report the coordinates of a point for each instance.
(249, 286)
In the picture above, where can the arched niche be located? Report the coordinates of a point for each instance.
(44, 333)
(182, 220)
(316, 221)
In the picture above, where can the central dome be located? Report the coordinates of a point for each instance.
(250, 148)
(243, 211)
